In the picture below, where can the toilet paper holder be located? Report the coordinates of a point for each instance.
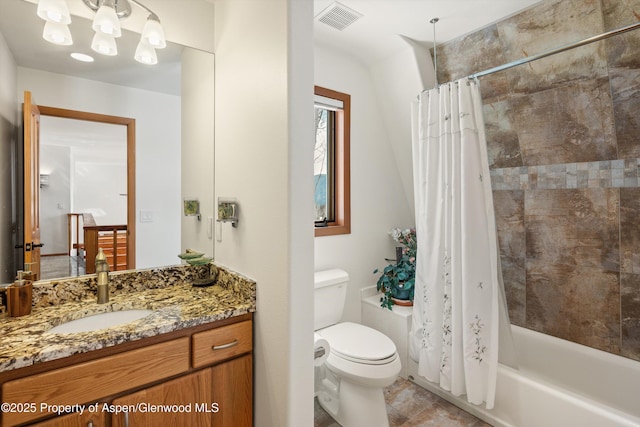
(319, 352)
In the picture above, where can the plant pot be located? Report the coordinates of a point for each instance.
(401, 294)
(402, 302)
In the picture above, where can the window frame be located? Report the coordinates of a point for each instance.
(341, 166)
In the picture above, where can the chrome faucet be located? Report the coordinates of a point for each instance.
(102, 275)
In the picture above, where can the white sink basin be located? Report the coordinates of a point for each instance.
(99, 321)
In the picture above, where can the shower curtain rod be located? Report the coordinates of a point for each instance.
(554, 51)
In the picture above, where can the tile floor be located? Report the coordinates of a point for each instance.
(56, 266)
(409, 405)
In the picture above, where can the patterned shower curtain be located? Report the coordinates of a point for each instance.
(455, 315)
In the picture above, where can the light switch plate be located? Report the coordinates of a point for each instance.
(146, 216)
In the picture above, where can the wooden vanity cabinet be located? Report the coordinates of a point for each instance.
(220, 396)
(201, 377)
(181, 402)
(232, 384)
(75, 420)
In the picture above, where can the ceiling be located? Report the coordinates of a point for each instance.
(372, 37)
(376, 35)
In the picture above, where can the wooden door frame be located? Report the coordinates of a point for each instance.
(30, 187)
(131, 164)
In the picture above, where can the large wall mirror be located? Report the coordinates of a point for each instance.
(84, 163)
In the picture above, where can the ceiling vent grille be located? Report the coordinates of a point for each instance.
(338, 16)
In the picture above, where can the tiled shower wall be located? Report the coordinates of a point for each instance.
(564, 145)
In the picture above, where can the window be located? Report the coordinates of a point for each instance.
(331, 162)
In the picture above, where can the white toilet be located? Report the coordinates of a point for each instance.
(362, 361)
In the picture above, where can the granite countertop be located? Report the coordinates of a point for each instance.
(24, 341)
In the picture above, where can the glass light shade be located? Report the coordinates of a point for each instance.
(153, 34)
(146, 54)
(57, 33)
(104, 45)
(106, 21)
(54, 11)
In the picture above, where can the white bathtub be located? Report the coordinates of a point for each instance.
(558, 384)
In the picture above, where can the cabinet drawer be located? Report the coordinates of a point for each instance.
(90, 381)
(216, 345)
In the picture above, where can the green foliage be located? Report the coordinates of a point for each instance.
(398, 279)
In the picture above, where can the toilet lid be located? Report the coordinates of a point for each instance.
(355, 341)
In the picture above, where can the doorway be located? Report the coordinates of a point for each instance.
(99, 186)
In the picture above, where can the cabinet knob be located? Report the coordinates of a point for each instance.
(223, 346)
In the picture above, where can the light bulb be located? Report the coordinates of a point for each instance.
(104, 44)
(54, 11)
(106, 21)
(146, 54)
(153, 34)
(57, 33)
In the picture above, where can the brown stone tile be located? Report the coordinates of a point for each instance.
(410, 405)
(579, 280)
(630, 279)
(572, 284)
(410, 399)
(400, 385)
(502, 138)
(396, 418)
(552, 24)
(321, 418)
(572, 123)
(630, 230)
(625, 92)
(622, 51)
(509, 211)
(618, 13)
(443, 414)
(630, 308)
(470, 54)
(576, 227)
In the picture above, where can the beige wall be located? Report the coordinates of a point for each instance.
(264, 116)
(8, 119)
(197, 158)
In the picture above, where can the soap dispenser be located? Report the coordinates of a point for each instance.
(102, 275)
(19, 296)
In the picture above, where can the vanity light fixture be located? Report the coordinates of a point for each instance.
(106, 24)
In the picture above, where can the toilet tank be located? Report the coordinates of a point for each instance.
(329, 297)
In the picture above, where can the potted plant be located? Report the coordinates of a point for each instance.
(397, 281)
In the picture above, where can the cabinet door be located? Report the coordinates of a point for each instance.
(184, 401)
(86, 419)
(232, 391)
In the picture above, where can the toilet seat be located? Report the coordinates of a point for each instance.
(359, 344)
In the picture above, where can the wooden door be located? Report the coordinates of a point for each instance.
(32, 244)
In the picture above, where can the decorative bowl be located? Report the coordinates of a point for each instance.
(190, 255)
(199, 261)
